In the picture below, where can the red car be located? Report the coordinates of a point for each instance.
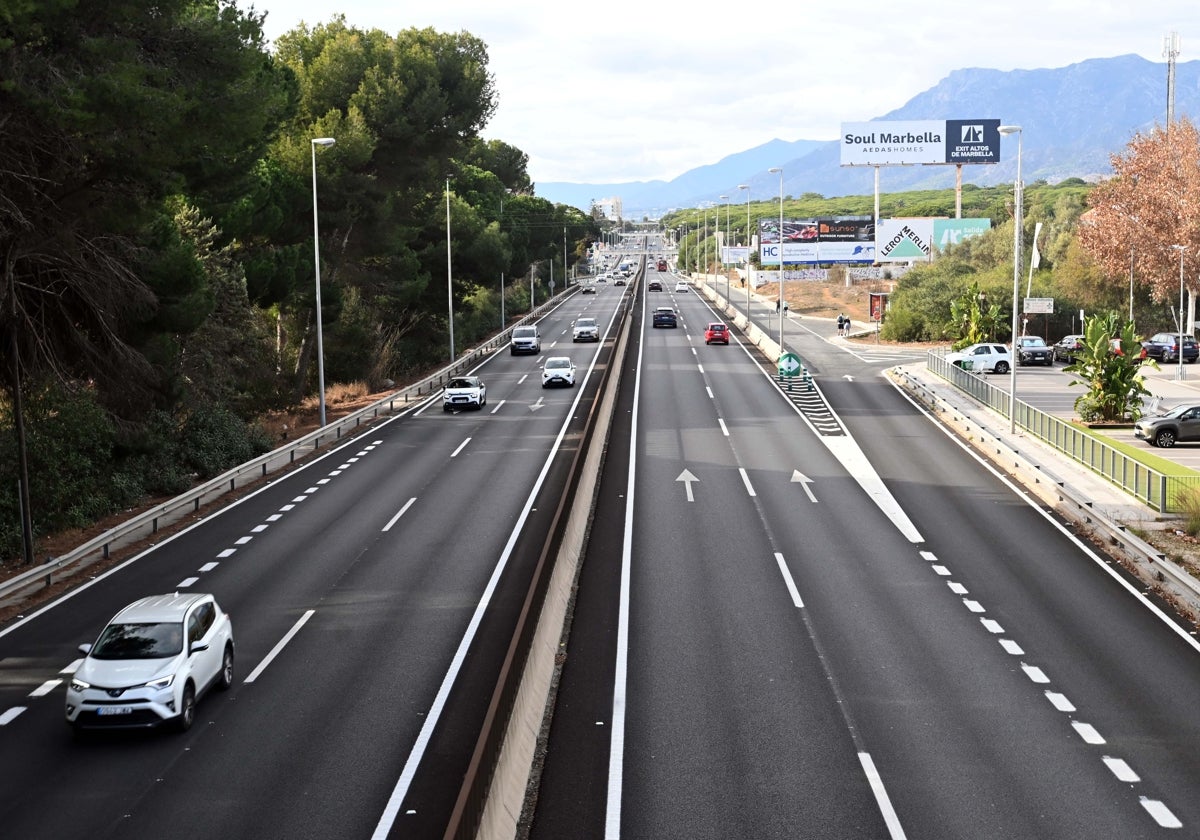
(716, 333)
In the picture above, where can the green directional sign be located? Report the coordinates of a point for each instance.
(789, 365)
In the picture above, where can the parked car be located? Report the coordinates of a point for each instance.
(1067, 348)
(1164, 347)
(716, 333)
(585, 329)
(1115, 345)
(525, 339)
(558, 370)
(1181, 423)
(464, 392)
(152, 663)
(664, 316)
(1033, 350)
(982, 358)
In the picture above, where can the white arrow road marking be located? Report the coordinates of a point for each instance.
(687, 478)
(847, 377)
(537, 404)
(804, 481)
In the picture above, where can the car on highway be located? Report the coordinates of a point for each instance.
(681, 286)
(1033, 350)
(1181, 423)
(152, 663)
(587, 289)
(1164, 347)
(464, 392)
(525, 339)
(1067, 349)
(716, 333)
(585, 329)
(620, 281)
(664, 316)
(558, 370)
(654, 286)
(982, 358)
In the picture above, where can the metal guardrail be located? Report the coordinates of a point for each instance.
(1150, 486)
(148, 523)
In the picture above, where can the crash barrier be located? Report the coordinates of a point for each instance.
(149, 523)
(1149, 486)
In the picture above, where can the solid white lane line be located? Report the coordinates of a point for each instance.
(746, 481)
(10, 715)
(724, 428)
(45, 688)
(399, 513)
(788, 582)
(1088, 732)
(275, 651)
(1035, 673)
(1060, 701)
(1121, 769)
(460, 447)
(1161, 813)
(895, 830)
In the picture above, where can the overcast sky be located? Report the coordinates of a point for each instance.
(637, 91)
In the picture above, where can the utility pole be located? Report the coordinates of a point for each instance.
(1170, 53)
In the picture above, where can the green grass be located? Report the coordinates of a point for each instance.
(1139, 454)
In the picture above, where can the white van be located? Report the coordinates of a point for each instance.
(525, 339)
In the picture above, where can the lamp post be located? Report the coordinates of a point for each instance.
(319, 141)
(1018, 197)
(1180, 249)
(782, 303)
(746, 187)
(449, 283)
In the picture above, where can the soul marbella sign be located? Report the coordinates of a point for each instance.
(901, 143)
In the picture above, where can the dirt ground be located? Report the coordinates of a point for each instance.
(814, 299)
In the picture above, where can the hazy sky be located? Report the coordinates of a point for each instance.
(637, 91)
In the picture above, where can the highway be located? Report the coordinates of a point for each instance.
(372, 594)
(817, 614)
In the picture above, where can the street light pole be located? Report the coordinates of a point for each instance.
(319, 141)
(746, 187)
(449, 283)
(782, 303)
(1018, 198)
(1180, 249)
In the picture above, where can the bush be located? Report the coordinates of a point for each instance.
(904, 325)
(1187, 500)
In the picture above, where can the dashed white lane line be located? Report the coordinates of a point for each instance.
(1088, 732)
(72, 668)
(930, 556)
(286, 508)
(299, 499)
(274, 517)
(208, 567)
(724, 428)
(1011, 647)
(956, 587)
(973, 606)
(10, 715)
(1060, 701)
(186, 582)
(1035, 673)
(258, 529)
(941, 570)
(262, 666)
(788, 582)
(1161, 813)
(460, 448)
(242, 540)
(746, 481)
(45, 688)
(710, 393)
(1121, 769)
(399, 513)
(498, 405)
(229, 552)
(991, 626)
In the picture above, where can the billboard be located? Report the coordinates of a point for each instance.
(850, 239)
(903, 240)
(947, 232)
(901, 143)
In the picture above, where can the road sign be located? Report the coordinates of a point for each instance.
(789, 365)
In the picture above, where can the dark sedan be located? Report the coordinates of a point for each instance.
(1164, 347)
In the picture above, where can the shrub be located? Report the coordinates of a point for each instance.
(1187, 500)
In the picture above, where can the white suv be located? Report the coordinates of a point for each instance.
(585, 329)
(151, 664)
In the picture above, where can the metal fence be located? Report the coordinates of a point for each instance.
(1155, 489)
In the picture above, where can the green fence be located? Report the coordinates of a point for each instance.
(1155, 489)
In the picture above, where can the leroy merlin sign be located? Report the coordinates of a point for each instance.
(904, 240)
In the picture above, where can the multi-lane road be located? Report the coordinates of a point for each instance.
(801, 614)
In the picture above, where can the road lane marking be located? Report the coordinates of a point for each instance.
(1060, 701)
(805, 482)
(73, 667)
(941, 570)
(45, 688)
(275, 651)
(208, 567)
(399, 513)
(746, 481)
(1011, 647)
(1161, 813)
(497, 408)
(788, 582)
(186, 582)
(956, 587)
(687, 478)
(460, 447)
(1088, 732)
(10, 715)
(881, 798)
(991, 626)
(1035, 673)
(973, 606)
(724, 428)
(1121, 769)
(229, 552)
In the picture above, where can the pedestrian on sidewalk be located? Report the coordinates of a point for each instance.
(846, 326)
(841, 322)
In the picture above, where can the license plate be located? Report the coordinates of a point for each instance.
(114, 710)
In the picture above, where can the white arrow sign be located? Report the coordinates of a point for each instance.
(537, 404)
(687, 478)
(804, 480)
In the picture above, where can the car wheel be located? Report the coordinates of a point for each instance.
(1165, 438)
(187, 710)
(225, 682)
(1001, 368)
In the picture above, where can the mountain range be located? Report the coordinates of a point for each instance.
(1073, 120)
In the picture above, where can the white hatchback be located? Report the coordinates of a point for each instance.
(559, 370)
(152, 663)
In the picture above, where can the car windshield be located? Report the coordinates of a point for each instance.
(1032, 341)
(524, 332)
(1178, 411)
(558, 363)
(586, 322)
(139, 641)
(461, 383)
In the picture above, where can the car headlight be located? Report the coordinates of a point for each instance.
(79, 685)
(161, 682)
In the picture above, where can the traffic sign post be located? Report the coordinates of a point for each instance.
(790, 367)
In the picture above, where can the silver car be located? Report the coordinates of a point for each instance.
(1181, 423)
